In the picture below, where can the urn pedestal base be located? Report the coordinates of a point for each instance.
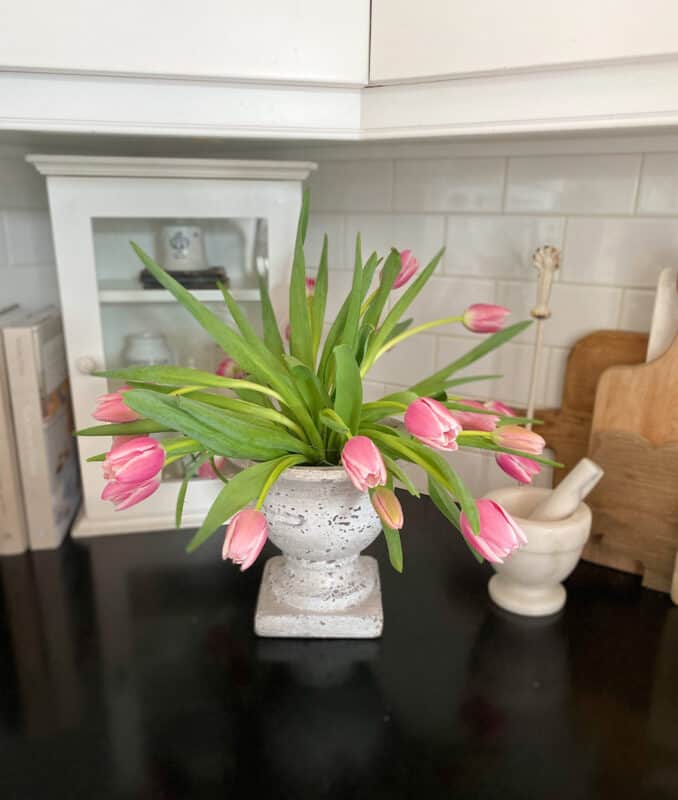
(322, 611)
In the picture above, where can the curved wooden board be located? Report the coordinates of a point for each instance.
(641, 399)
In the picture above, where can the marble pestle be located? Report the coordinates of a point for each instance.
(564, 500)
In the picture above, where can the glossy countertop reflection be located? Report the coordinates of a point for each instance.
(130, 670)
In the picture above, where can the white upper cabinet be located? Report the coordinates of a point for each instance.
(307, 41)
(414, 41)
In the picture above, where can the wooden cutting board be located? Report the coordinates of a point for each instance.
(634, 438)
(567, 429)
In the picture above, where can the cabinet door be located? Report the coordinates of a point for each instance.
(440, 38)
(103, 301)
(269, 40)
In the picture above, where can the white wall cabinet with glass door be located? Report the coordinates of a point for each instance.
(235, 216)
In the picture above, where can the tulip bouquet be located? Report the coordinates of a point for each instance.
(300, 402)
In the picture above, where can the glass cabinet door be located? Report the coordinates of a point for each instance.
(115, 316)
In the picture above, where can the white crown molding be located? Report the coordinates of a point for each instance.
(619, 96)
(143, 106)
(623, 96)
(123, 167)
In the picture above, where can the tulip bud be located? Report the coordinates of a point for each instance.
(518, 467)
(432, 424)
(310, 287)
(228, 368)
(387, 505)
(124, 495)
(516, 438)
(501, 409)
(111, 408)
(485, 318)
(408, 268)
(205, 470)
(135, 461)
(474, 422)
(245, 537)
(499, 534)
(363, 463)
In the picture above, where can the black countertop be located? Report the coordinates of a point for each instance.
(129, 670)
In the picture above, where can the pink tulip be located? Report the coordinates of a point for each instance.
(124, 495)
(135, 461)
(432, 423)
(500, 408)
(408, 268)
(228, 368)
(474, 422)
(499, 535)
(387, 505)
(363, 463)
(516, 438)
(245, 537)
(518, 467)
(207, 471)
(111, 408)
(310, 287)
(485, 318)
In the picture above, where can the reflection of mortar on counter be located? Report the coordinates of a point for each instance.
(557, 525)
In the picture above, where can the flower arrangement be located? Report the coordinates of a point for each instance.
(300, 402)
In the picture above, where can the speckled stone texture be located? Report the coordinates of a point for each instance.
(320, 587)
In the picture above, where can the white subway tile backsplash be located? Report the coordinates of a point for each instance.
(450, 349)
(555, 361)
(636, 313)
(498, 246)
(372, 391)
(21, 186)
(31, 287)
(3, 245)
(29, 238)
(514, 363)
(573, 184)
(411, 361)
(318, 225)
(576, 310)
(620, 252)
(659, 184)
(457, 184)
(352, 186)
(447, 297)
(424, 234)
(339, 285)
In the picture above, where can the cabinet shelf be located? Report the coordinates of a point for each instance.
(111, 294)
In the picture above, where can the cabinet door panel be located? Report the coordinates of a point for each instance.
(286, 40)
(436, 38)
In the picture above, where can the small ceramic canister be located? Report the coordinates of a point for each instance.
(183, 248)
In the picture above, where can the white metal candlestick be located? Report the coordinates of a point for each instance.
(546, 261)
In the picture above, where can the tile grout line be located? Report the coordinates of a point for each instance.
(636, 198)
(504, 191)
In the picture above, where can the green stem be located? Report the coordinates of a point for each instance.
(365, 305)
(406, 335)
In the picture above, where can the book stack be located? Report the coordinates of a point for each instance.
(39, 479)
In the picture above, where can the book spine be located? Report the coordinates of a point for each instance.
(22, 368)
(13, 529)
